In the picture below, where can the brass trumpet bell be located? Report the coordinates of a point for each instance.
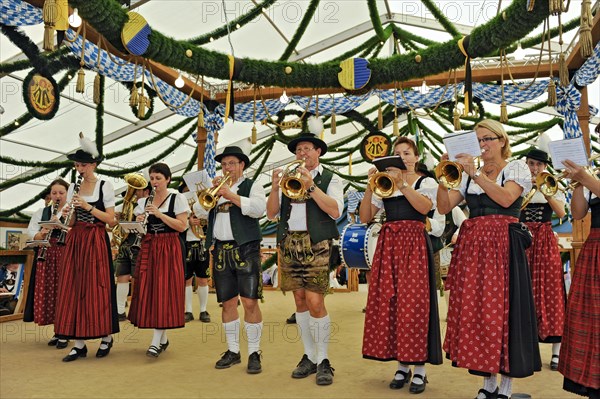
(208, 198)
(135, 181)
(291, 182)
(382, 185)
(449, 173)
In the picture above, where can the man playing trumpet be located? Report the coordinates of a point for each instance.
(234, 233)
(306, 227)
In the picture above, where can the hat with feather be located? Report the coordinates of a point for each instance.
(315, 127)
(88, 153)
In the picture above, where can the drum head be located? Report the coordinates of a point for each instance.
(371, 242)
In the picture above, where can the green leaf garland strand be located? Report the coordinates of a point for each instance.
(308, 14)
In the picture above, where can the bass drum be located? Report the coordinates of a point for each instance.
(359, 242)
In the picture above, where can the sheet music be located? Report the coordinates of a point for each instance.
(197, 180)
(132, 227)
(464, 142)
(571, 149)
(53, 225)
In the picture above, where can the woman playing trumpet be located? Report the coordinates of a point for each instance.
(402, 321)
(488, 273)
(580, 353)
(544, 257)
(86, 306)
(158, 299)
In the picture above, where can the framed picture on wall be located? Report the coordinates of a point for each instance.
(13, 240)
(15, 273)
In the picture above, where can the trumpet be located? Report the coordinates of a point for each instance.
(196, 229)
(208, 197)
(291, 183)
(62, 238)
(449, 173)
(545, 183)
(138, 237)
(382, 184)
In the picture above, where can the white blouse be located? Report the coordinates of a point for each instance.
(108, 194)
(180, 206)
(516, 171)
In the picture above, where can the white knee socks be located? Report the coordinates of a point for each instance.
(232, 334)
(122, 291)
(253, 334)
(203, 297)
(303, 321)
(321, 331)
(188, 299)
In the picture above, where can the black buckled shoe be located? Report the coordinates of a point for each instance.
(325, 373)
(553, 362)
(189, 316)
(153, 351)
(418, 388)
(304, 368)
(62, 343)
(488, 394)
(204, 317)
(74, 356)
(122, 316)
(104, 352)
(163, 347)
(228, 359)
(254, 366)
(53, 341)
(399, 384)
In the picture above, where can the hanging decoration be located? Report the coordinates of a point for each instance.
(135, 34)
(40, 94)
(586, 43)
(55, 14)
(333, 121)
(463, 45)
(355, 73)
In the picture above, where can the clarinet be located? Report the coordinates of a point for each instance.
(42, 251)
(138, 237)
(62, 238)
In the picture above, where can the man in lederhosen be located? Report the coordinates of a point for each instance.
(234, 233)
(304, 234)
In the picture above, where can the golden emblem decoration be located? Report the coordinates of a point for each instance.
(41, 94)
(375, 145)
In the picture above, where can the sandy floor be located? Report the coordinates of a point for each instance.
(31, 369)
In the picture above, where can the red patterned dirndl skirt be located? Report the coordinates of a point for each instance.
(86, 305)
(547, 281)
(46, 285)
(477, 322)
(398, 322)
(579, 358)
(159, 294)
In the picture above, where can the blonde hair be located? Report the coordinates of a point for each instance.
(497, 128)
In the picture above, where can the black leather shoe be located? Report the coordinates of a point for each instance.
(418, 388)
(304, 368)
(74, 356)
(325, 373)
(399, 384)
(553, 362)
(153, 351)
(254, 366)
(204, 317)
(501, 396)
(189, 316)
(122, 316)
(62, 343)
(227, 360)
(53, 341)
(291, 319)
(104, 352)
(488, 394)
(163, 347)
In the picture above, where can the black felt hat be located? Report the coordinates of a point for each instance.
(85, 157)
(236, 152)
(392, 161)
(311, 138)
(538, 155)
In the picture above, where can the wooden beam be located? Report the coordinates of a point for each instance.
(575, 60)
(478, 75)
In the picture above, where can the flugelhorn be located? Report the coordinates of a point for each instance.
(195, 229)
(208, 197)
(291, 180)
(545, 183)
(382, 184)
(449, 173)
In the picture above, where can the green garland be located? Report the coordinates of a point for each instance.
(108, 18)
(406, 35)
(437, 14)
(310, 11)
(375, 20)
(100, 117)
(369, 43)
(241, 21)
